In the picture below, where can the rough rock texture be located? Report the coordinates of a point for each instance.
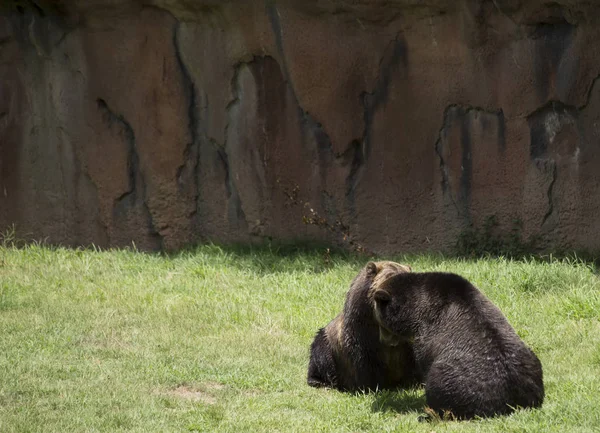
(170, 122)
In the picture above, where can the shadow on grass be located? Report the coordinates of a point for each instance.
(266, 257)
(277, 248)
(574, 258)
(401, 401)
(489, 241)
(276, 257)
(269, 256)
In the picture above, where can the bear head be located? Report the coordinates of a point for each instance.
(395, 307)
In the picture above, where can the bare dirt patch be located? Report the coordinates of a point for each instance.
(204, 393)
(215, 386)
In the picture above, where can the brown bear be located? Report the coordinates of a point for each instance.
(471, 359)
(347, 354)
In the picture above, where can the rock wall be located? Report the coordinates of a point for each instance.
(171, 122)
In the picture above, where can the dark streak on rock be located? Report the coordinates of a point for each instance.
(224, 159)
(445, 184)
(132, 156)
(137, 185)
(310, 125)
(191, 155)
(501, 131)
(372, 102)
(537, 142)
(274, 19)
(466, 175)
(324, 149)
(549, 193)
(552, 40)
(462, 112)
(236, 212)
(235, 91)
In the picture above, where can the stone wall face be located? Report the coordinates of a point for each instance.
(172, 122)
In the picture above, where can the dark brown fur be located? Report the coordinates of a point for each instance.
(473, 362)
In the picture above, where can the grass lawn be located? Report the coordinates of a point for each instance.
(217, 340)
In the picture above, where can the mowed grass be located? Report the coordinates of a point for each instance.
(217, 340)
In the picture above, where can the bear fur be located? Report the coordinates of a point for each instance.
(472, 360)
(347, 354)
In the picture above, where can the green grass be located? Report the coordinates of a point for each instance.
(217, 340)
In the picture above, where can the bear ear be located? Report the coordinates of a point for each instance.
(371, 269)
(382, 296)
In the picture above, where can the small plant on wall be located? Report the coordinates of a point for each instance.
(312, 217)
